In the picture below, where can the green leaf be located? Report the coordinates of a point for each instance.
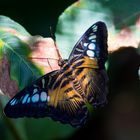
(7, 23)
(47, 129)
(1, 46)
(76, 19)
(22, 70)
(28, 57)
(124, 12)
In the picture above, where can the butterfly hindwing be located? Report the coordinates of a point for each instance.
(48, 96)
(94, 83)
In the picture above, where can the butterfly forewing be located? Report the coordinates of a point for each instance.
(49, 97)
(30, 100)
(93, 44)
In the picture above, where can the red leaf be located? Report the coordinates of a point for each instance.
(7, 86)
(127, 36)
(44, 54)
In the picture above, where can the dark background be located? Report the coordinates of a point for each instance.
(35, 16)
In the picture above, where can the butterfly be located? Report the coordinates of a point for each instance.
(63, 94)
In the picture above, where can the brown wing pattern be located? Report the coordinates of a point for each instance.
(66, 99)
(53, 95)
(93, 81)
(95, 86)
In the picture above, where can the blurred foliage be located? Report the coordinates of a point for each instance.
(122, 23)
(7, 24)
(76, 19)
(17, 52)
(71, 25)
(28, 57)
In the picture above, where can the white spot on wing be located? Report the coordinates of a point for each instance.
(79, 50)
(35, 98)
(92, 37)
(25, 98)
(12, 102)
(48, 98)
(92, 46)
(85, 44)
(35, 90)
(93, 40)
(28, 101)
(94, 28)
(43, 96)
(90, 53)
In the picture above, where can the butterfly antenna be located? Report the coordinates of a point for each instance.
(53, 36)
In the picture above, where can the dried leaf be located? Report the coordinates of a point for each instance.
(44, 54)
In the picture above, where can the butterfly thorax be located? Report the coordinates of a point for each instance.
(62, 62)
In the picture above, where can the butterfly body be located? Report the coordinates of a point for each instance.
(63, 94)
